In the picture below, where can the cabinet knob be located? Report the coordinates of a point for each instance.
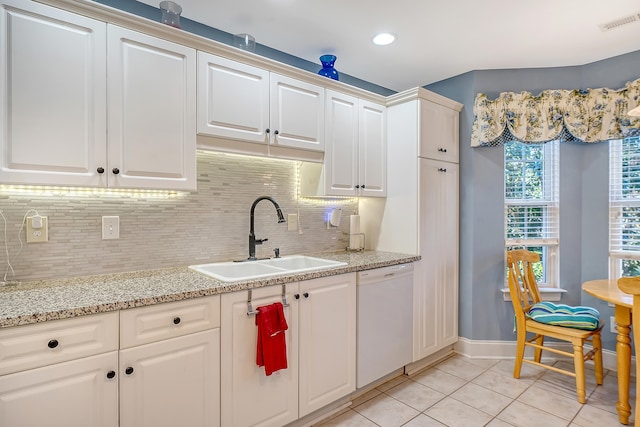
(268, 131)
(100, 169)
(306, 294)
(277, 132)
(362, 186)
(111, 374)
(176, 320)
(52, 344)
(115, 171)
(442, 150)
(442, 170)
(357, 186)
(297, 296)
(129, 370)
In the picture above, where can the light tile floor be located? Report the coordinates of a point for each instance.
(464, 392)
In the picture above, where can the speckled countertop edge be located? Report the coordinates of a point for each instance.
(41, 301)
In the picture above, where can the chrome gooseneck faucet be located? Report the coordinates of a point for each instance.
(252, 237)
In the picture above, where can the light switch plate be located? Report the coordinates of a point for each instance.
(110, 227)
(37, 235)
(292, 222)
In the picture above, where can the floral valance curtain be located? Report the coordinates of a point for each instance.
(591, 115)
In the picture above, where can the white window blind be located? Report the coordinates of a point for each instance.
(624, 206)
(531, 206)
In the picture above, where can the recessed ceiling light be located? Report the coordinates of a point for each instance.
(384, 39)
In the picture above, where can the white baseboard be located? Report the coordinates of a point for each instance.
(507, 349)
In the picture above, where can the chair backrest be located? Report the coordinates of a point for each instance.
(522, 281)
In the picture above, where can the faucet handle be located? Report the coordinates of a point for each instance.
(260, 241)
(277, 252)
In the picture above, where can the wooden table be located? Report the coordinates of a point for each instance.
(608, 291)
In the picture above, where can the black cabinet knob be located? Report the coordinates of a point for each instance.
(268, 130)
(100, 170)
(176, 320)
(297, 296)
(111, 374)
(277, 132)
(129, 370)
(52, 344)
(306, 294)
(115, 171)
(442, 170)
(442, 150)
(357, 186)
(362, 186)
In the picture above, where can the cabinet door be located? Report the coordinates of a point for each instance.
(233, 99)
(152, 124)
(439, 130)
(327, 340)
(77, 393)
(296, 114)
(52, 96)
(175, 382)
(251, 398)
(372, 168)
(437, 285)
(341, 148)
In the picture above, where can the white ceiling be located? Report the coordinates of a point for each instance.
(437, 39)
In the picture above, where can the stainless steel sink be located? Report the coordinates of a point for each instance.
(237, 271)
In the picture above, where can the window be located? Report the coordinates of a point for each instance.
(624, 207)
(531, 204)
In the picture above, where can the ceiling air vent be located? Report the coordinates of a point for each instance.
(630, 19)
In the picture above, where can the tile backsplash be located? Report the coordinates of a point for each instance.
(209, 225)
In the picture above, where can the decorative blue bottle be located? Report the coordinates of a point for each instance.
(327, 69)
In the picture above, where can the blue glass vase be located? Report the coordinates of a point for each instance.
(327, 69)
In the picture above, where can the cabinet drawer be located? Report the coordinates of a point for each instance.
(32, 346)
(158, 322)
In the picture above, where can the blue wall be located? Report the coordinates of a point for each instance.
(144, 10)
(583, 197)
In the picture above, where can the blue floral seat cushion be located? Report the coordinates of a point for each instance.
(577, 317)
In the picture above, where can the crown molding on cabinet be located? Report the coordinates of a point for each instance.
(420, 92)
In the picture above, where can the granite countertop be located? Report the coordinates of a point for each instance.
(40, 301)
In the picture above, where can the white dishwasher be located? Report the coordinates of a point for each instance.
(385, 321)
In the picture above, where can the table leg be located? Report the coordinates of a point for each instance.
(623, 351)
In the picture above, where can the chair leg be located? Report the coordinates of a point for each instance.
(538, 353)
(578, 361)
(522, 336)
(597, 358)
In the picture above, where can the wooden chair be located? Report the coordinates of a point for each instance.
(524, 293)
(631, 285)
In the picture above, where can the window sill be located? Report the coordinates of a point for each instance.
(547, 294)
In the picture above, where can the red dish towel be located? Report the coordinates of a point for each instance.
(272, 346)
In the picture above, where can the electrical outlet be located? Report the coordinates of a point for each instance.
(37, 235)
(613, 326)
(292, 222)
(110, 227)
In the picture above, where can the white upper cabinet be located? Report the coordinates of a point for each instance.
(250, 110)
(439, 130)
(355, 161)
(372, 166)
(233, 99)
(152, 126)
(55, 110)
(52, 96)
(297, 114)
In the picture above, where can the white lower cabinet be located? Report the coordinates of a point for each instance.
(170, 364)
(60, 373)
(77, 393)
(320, 352)
(172, 382)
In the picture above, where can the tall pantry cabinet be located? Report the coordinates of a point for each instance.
(422, 202)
